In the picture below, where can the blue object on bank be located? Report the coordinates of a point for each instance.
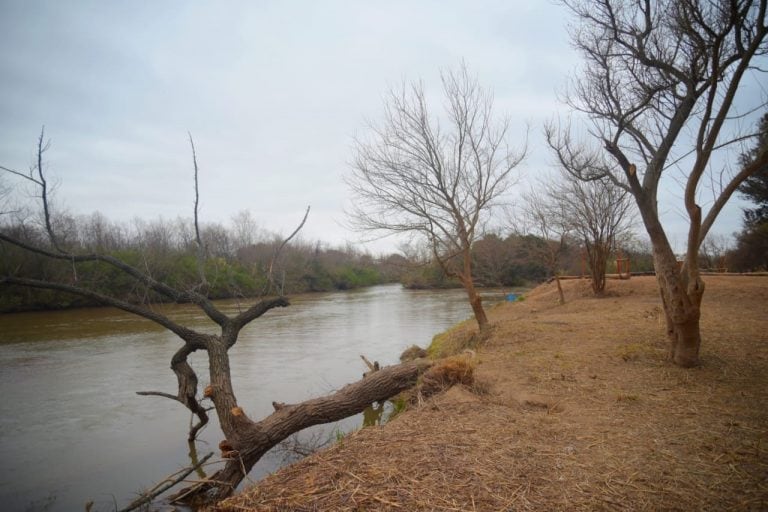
(511, 297)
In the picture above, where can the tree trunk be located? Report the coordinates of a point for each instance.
(465, 277)
(681, 289)
(597, 256)
(681, 294)
(231, 418)
(560, 293)
(251, 440)
(685, 341)
(476, 301)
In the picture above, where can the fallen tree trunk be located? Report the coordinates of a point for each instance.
(257, 438)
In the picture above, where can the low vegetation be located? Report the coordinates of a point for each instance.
(237, 262)
(453, 341)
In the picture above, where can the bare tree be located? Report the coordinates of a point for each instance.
(543, 216)
(246, 230)
(5, 191)
(661, 88)
(600, 215)
(98, 232)
(436, 180)
(246, 440)
(596, 213)
(713, 251)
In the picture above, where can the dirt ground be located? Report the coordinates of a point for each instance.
(575, 407)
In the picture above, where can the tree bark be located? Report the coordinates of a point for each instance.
(597, 258)
(681, 291)
(465, 276)
(476, 301)
(560, 293)
(187, 394)
(686, 341)
(251, 440)
(682, 309)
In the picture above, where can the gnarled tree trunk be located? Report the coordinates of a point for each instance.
(681, 292)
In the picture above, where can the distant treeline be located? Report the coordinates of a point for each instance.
(237, 261)
(516, 260)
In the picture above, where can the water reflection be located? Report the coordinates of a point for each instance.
(194, 460)
(373, 414)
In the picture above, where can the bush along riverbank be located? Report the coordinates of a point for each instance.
(571, 407)
(225, 277)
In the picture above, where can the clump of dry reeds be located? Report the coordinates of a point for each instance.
(446, 373)
(412, 352)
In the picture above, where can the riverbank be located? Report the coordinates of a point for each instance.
(574, 408)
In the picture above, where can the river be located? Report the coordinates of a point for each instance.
(72, 428)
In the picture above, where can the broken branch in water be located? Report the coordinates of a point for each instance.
(372, 366)
(165, 484)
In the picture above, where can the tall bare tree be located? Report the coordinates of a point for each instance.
(436, 178)
(660, 86)
(600, 214)
(543, 216)
(246, 440)
(246, 231)
(596, 213)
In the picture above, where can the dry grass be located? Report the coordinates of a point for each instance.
(458, 369)
(580, 411)
(412, 352)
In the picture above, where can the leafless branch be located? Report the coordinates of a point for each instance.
(279, 250)
(198, 239)
(439, 180)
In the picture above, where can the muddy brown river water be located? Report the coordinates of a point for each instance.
(72, 428)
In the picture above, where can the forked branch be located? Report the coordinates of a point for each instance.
(279, 250)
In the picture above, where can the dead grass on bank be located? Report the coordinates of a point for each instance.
(581, 411)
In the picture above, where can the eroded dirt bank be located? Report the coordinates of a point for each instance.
(574, 408)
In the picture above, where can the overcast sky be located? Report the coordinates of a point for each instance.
(272, 92)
